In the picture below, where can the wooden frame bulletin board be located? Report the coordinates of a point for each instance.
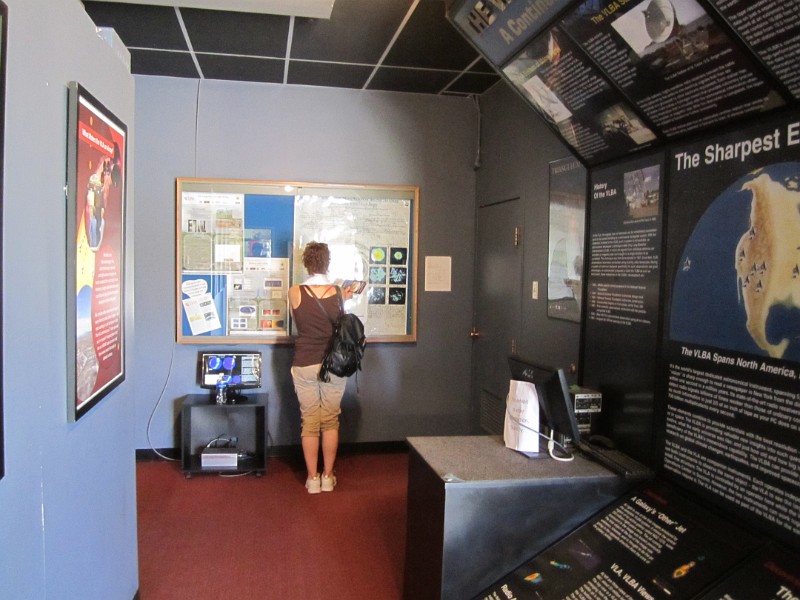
(239, 245)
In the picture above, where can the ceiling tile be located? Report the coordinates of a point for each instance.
(161, 62)
(482, 67)
(473, 83)
(245, 34)
(329, 75)
(429, 41)
(238, 68)
(395, 79)
(358, 31)
(139, 26)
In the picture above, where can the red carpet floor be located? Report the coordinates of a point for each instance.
(247, 537)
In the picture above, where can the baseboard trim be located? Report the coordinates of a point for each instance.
(158, 454)
(288, 450)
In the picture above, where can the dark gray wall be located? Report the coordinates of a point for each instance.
(292, 133)
(516, 149)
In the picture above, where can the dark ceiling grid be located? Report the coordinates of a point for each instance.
(365, 44)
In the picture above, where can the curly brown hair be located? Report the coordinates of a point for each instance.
(316, 258)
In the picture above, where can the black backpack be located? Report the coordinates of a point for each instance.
(347, 345)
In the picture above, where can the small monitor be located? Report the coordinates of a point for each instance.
(553, 392)
(240, 370)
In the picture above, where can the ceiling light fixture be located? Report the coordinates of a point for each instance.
(316, 9)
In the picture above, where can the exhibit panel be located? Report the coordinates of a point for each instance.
(730, 372)
(771, 573)
(620, 328)
(680, 67)
(612, 77)
(654, 543)
(686, 113)
(771, 28)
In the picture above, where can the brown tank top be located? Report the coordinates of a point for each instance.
(314, 329)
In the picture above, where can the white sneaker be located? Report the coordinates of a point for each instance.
(313, 485)
(328, 483)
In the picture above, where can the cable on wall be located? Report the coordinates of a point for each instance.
(158, 402)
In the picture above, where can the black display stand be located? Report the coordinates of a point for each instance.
(203, 421)
(476, 510)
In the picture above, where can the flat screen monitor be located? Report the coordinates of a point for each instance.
(240, 370)
(553, 394)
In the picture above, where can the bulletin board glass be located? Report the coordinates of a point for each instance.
(239, 246)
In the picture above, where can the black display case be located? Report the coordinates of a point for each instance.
(238, 426)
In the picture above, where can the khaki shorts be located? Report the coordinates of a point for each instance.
(320, 402)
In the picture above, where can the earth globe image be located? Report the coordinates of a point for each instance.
(659, 20)
(716, 300)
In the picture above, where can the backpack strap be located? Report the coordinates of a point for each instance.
(341, 301)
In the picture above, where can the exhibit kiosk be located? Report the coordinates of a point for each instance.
(684, 113)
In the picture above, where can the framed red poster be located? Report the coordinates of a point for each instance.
(96, 154)
(3, 36)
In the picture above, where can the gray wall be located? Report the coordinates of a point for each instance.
(68, 498)
(268, 132)
(516, 149)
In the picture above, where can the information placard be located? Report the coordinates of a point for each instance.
(652, 544)
(773, 572)
(731, 357)
(772, 30)
(623, 282)
(576, 99)
(679, 67)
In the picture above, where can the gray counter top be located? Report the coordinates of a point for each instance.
(485, 459)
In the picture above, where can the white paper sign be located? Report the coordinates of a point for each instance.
(521, 428)
(437, 273)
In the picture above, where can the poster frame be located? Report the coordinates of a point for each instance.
(3, 46)
(108, 250)
(572, 176)
(216, 277)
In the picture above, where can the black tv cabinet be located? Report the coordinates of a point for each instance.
(203, 421)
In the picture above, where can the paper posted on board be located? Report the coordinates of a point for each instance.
(521, 427)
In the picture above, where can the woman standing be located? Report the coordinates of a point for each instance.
(320, 402)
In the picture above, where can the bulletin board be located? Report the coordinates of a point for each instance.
(239, 246)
